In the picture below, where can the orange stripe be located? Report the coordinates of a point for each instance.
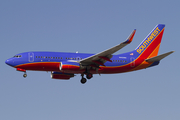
(145, 64)
(155, 52)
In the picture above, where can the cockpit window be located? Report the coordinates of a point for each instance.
(18, 56)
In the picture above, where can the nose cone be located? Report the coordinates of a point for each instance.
(9, 62)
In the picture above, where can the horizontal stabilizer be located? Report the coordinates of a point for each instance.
(159, 57)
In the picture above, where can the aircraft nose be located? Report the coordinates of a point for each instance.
(9, 62)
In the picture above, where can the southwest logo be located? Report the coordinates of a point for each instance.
(148, 41)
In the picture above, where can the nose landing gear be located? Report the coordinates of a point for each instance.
(22, 70)
(24, 75)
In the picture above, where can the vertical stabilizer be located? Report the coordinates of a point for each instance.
(150, 45)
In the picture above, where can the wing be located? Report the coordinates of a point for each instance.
(102, 57)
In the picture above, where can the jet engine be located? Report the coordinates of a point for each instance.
(60, 75)
(70, 66)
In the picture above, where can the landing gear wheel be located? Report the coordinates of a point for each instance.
(83, 80)
(89, 76)
(25, 75)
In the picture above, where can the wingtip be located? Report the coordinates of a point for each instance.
(171, 51)
(131, 36)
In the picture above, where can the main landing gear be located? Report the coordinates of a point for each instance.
(88, 76)
(83, 80)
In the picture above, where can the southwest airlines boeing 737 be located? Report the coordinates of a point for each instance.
(66, 65)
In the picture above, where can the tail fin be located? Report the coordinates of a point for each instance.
(150, 45)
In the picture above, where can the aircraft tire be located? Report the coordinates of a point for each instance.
(83, 80)
(89, 76)
(25, 75)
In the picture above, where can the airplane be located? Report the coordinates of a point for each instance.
(64, 65)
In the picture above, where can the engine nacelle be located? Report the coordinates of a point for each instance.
(69, 66)
(59, 75)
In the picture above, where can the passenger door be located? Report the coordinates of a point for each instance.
(31, 57)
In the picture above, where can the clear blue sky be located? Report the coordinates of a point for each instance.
(89, 27)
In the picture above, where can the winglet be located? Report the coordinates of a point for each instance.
(130, 38)
(159, 57)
